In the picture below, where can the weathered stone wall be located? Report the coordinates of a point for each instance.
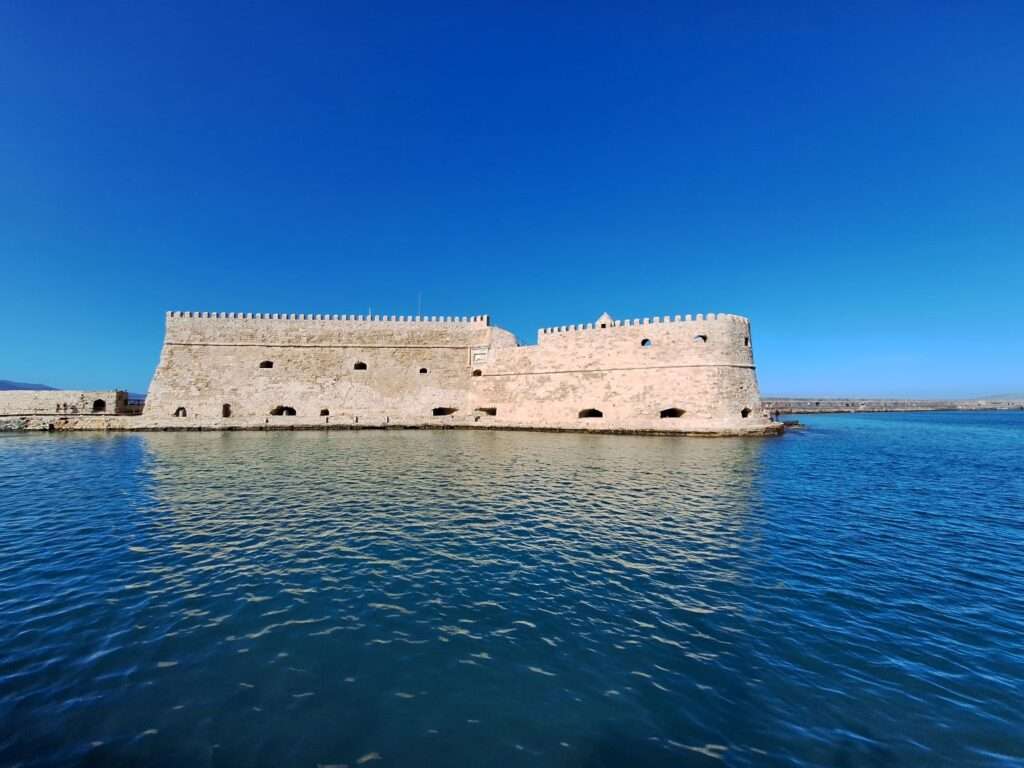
(662, 374)
(631, 372)
(61, 401)
(400, 368)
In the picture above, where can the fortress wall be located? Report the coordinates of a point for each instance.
(672, 340)
(702, 366)
(208, 362)
(627, 399)
(241, 328)
(53, 401)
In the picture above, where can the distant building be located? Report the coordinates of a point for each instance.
(63, 402)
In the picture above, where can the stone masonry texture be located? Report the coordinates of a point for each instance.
(692, 374)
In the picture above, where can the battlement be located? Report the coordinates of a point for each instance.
(480, 320)
(641, 321)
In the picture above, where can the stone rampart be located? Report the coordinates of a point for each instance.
(667, 374)
(231, 366)
(654, 373)
(320, 330)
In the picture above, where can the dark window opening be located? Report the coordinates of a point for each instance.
(180, 412)
(444, 411)
(325, 411)
(701, 338)
(360, 366)
(267, 364)
(282, 410)
(746, 341)
(478, 372)
(590, 413)
(645, 343)
(423, 370)
(672, 413)
(99, 406)
(488, 411)
(225, 410)
(604, 325)
(745, 412)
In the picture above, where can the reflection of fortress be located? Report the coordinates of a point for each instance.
(597, 477)
(681, 375)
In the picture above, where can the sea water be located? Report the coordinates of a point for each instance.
(848, 594)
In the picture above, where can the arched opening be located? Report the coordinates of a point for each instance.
(99, 406)
(360, 366)
(267, 364)
(488, 411)
(646, 343)
(746, 341)
(745, 412)
(672, 413)
(225, 410)
(444, 411)
(282, 410)
(180, 412)
(701, 338)
(325, 411)
(590, 413)
(477, 372)
(423, 370)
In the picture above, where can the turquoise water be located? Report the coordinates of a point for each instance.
(852, 594)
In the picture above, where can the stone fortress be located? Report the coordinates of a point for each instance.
(679, 375)
(691, 375)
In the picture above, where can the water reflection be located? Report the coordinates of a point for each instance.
(847, 595)
(442, 477)
(443, 580)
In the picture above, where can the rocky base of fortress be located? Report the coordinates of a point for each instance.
(113, 423)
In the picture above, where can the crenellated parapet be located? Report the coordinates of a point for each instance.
(641, 321)
(650, 342)
(308, 329)
(483, 320)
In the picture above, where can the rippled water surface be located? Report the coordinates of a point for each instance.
(852, 594)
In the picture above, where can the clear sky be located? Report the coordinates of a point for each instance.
(852, 180)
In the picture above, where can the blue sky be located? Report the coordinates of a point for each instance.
(851, 179)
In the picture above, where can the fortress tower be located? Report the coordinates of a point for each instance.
(692, 375)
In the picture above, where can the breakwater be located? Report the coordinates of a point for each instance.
(781, 405)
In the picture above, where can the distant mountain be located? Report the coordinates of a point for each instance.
(5, 384)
